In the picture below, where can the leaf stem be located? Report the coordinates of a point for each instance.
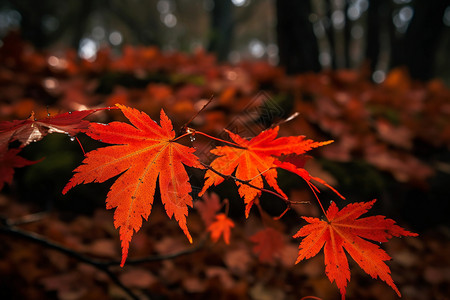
(214, 138)
(81, 146)
(315, 194)
(226, 203)
(181, 136)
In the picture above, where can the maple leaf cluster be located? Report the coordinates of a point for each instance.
(147, 157)
(146, 152)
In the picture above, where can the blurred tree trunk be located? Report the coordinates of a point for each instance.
(84, 11)
(330, 35)
(31, 23)
(379, 25)
(297, 44)
(347, 36)
(374, 19)
(221, 29)
(417, 48)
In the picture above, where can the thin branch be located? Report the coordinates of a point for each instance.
(38, 239)
(283, 213)
(181, 136)
(151, 258)
(31, 218)
(193, 131)
(184, 127)
(289, 206)
(7, 227)
(246, 182)
(290, 118)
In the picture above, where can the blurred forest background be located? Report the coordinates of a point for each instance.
(301, 35)
(373, 75)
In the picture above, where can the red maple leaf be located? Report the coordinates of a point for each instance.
(269, 244)
(254, 159)
(32, 130)
(343, 230)
(8, 161)
(145, 152)
(208, 207)
(221, 226)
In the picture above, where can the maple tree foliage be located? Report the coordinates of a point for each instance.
(254, 159)
(343, 229)
(381, 124)
(143, 153)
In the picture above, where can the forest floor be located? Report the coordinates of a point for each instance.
(28, 270)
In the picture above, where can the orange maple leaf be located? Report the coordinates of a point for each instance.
(254, 159)
(343, 230)
(221, 226)
(145, 152)
(269, 243)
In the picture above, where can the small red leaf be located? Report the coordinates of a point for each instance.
(208, 208)
(8, 161)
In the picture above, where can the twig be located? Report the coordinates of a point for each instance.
(291, 117)
(28, 218)
(184, 127)
(193, 131)
(102, 265)
(135, 261)
(38, 239)
(246, 182)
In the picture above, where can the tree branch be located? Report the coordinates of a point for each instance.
(9, 228)
(246, 182)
